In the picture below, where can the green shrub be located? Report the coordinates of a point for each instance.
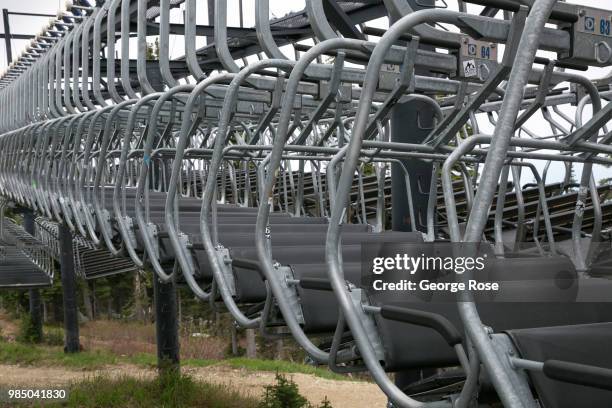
(325, 403)
(285, 394)
(28, 332)
(54, 336)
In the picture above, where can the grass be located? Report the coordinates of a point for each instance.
(169, 391)
(282, 366)
(142, 359)
(198, 362)
(127, 338)
(28, 354)
(17, 353)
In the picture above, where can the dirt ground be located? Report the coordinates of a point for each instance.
(341, 394)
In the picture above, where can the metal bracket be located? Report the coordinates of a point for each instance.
(520, 381)
(591, 38)
(152, 231)
(291, 294)
(225, 260)
(130, 229)
(359, 298)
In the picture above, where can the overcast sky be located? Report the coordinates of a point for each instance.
(26, 25)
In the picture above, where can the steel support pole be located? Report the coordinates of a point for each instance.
(7, 36)
(166, 325)
(71, 316)
(411, 122)
(211, 18)
(34, 294)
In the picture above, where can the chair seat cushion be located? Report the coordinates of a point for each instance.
(585, 344)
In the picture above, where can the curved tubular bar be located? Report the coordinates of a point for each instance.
(333, 234)
(527, 48)
(208, 195)
(13, 166)
(141, 59)
(37, 154)
(86, 171)
(68, 90)
(331, 176)
(50, 96)
(543, 204)
(171, 218)
(318, 21)
(110, 52)
(76, 52)
(597, 223)
(264, 33)
(54, 55)
(85, 59)
(586, 179)
(48, 144)
(593, 94)
(63, 169)
(28, 185)
(142, 185)
(58, 178)
(190, 35)
(467, 185)
(102, 213)
(119, 190)
(267, 191)
(77, 205)
(49, 165)
(52, 167)
(73, 168)
(65, 183)
(512, 103)
(520, 202)
(34, 143)
(221, 47)
(48, 78)
(499, 211)
(20, 139)
(42, 142)
(125, 50)
(164, 44)
(96, 53)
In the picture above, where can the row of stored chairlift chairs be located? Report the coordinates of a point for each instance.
(257, 185)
